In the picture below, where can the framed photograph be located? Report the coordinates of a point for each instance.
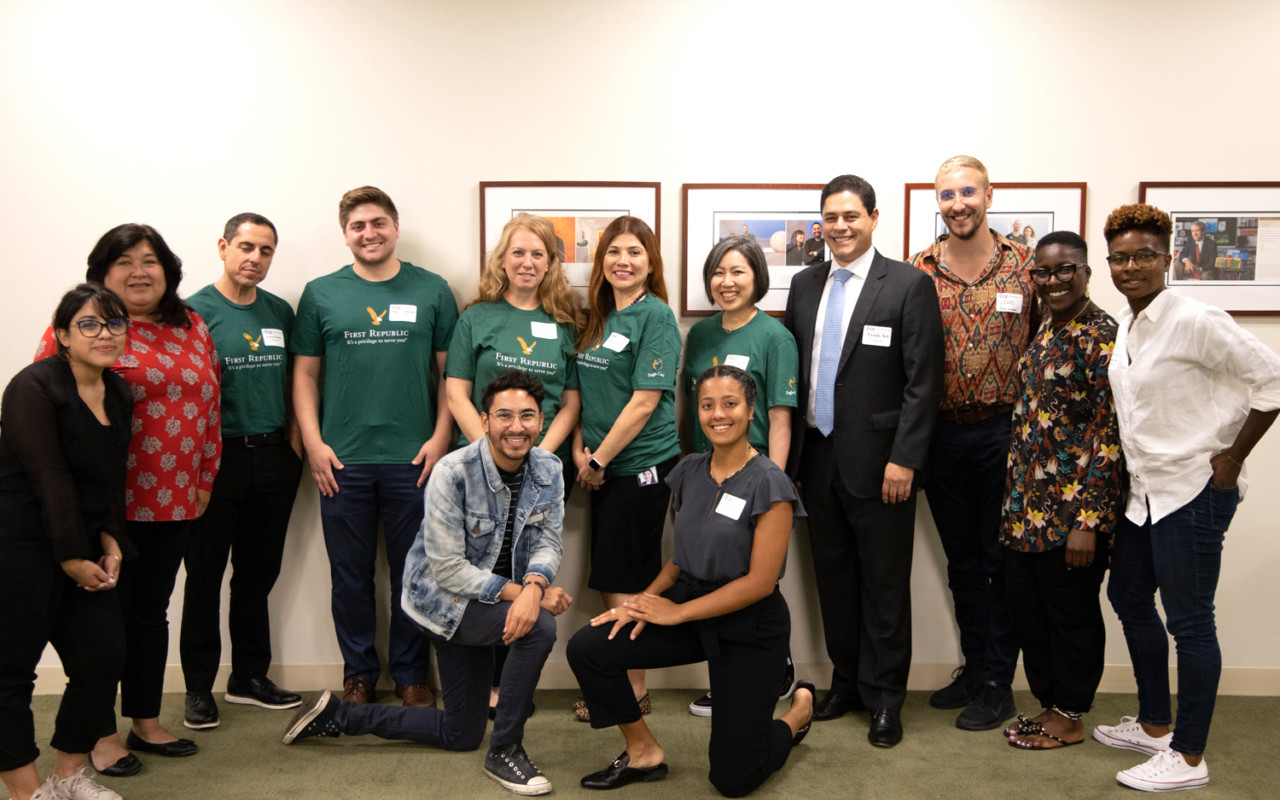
(1226, 242)
(579, 211)
(1021, 211)
(784, 219)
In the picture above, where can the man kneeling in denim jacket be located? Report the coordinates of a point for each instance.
(478, 575)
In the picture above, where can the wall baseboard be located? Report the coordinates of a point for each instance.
(1116, 678)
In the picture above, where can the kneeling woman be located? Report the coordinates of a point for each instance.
(716, 600)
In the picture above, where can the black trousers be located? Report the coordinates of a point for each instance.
(862, 550)
(1057, 621)
(39, 604)
(146, 584)
(247, 519)
(746, 655)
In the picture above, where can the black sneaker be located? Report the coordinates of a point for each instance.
(702, 706)
(992, 706)
(789, 681)
(510, 766)
(260, 692)
(957, 694)
(314, 719)
(201, 711)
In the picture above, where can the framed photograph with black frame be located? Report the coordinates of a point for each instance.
(783, 217)
(1226, 242)
(1022, 211)
(579, 211)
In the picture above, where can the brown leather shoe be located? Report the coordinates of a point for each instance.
(416, 694)
(357, 690)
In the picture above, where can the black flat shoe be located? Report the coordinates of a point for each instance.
(178, 749)
(127, 765)
(804, 729)
(619, 774)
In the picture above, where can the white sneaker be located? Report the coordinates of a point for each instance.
(46, 791)
(1166, 771)
(82, 787)
(1129, 735)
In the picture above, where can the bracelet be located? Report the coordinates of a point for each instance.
(1232, 460)
(542, 587)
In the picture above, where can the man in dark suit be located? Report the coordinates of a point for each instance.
(814, 250)
(871, 353)
(1199, 256)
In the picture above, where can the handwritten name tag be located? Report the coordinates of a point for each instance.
(736, 361)
(877, 335)
(401, 312)
(616, 342)
(273, 337)
(544, 330)
(731, 506)
(1009, 302)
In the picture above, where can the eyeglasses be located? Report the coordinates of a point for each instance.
(1143, 258)
(950, 194)
(1063, 272)
(92, 327)
(506, 417)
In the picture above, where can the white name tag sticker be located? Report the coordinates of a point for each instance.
(616, 342)
(731, 506)
(273, 337)
(401, 312)
(877, 335)
(736, 361)
(544, 330)
(1009, 302)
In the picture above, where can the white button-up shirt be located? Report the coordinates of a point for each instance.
(860, 266)
(1184, 376)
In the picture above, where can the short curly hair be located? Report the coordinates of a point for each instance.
(1138, 217)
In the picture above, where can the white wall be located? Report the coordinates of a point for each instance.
(182, 114)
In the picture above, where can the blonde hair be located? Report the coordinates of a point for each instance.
(962, 162)
(555, 295)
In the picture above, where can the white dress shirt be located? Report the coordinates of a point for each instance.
(860, 266)
(1184, 377)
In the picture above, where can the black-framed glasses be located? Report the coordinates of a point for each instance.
(506, 417)
(1063, 272)
(92, 327)
(950, 194)
(1143, 258)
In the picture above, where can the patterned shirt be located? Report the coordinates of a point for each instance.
(983, 340)
(1066, 470)
(177, 438)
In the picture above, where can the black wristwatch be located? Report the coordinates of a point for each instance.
(595, 465)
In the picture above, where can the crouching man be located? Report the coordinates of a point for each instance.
(478, 575)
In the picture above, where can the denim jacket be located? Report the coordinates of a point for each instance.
(452, 557)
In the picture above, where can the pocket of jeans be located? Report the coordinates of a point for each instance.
(1222, 506)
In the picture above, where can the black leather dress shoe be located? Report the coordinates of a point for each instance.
(178, 749)
(260, 692)
(619, 774)
(127, 765)
(886, 727)
(200, 711)
(836, 705)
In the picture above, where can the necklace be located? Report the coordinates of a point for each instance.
(751, 453)
(1057, 329)
(639, 297)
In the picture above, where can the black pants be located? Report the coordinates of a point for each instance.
(1057, 621)
(247, 519)
(146, 584)
(38, 605)
(746, 655)
(862, 550)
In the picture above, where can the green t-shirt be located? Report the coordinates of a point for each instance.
(492, 338)
(378, 340)
(762, 347)
(640, 349)
(252, 342)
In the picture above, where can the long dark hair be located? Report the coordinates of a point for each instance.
(109, 305)
(600, 292)
(171, 311)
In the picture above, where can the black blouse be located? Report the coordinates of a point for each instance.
(62, 472)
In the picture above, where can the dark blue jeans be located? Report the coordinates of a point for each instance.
(1181, 556)
(369, 493)
(965, 488)
(466, 664)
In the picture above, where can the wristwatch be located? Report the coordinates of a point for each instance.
(595, 465)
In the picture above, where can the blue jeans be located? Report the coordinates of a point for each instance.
(965, 488)
(369, 493)
(466, 666)
(1181, 556)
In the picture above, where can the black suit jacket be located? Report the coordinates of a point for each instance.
(818, 247)
(1207, 262)
(886, 398)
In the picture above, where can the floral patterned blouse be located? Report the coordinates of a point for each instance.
(1066, 470)
(177, 437)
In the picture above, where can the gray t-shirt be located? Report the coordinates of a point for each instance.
(716, 525)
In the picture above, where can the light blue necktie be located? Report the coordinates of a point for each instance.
(824, 414)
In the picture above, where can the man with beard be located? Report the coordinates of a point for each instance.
(989, 313)
(815, 250)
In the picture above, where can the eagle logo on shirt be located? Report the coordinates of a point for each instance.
(715, 361)
(657, 364)
(375, 316)
(527, 348)
(253, 343)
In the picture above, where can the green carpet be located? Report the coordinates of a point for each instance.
(245, 759)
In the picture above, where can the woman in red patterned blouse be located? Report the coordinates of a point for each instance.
(172, 370)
